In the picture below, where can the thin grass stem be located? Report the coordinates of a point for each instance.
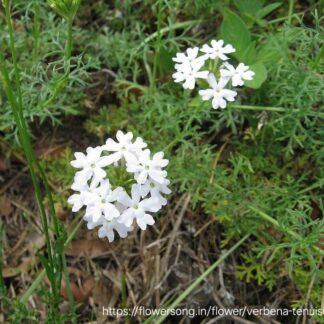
(197, 281)
(39, 279)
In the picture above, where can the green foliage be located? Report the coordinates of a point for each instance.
(47, 94)
(253, 269)
(107, 121)
(53, 166)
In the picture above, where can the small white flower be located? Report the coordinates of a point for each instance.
(91, 164)
(242, 72)
(189, 58)
(100, 202)
(146, 167)
(107, 230)
(188, 68)
(137, 209)
(124, 148)
(77, 200)
(188, 73)
(217, 92)
(91, 224)
(217, 50)
(156, 189)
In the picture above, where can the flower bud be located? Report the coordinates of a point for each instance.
(65, 8)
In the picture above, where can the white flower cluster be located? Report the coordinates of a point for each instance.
(113, 209)
(188, 69)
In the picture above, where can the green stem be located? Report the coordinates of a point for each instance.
(301, 14)
(157, 43)
(56, 258)
(68, 51)
(290, 10)
(13, 51)
(167, 29)
(39, 279)
(23, 133)
(196, 283)
(36, 28)
(68, 286)
(287, 230)
(276, 109)
(320, 183)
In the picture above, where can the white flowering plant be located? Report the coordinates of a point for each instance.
(213, 66)
(117, 183)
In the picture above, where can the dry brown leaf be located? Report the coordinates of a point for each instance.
(87, 248)
(9, 272)
(88, 286)
(36, 242)
(55, 151)
(5, 206)
(80, 294)
(75, 271)
(105, 293)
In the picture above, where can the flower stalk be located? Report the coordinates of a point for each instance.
(17, 107)
(55, 262)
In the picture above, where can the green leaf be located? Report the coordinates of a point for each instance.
(270, 52)
(268, 9)
(235, 32)
(260, 75)
(249, 6)
(249, 55)
(165, 63)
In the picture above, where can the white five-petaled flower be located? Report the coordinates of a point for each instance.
(218, 93)
(189, 57)
(137, 209)
(107, 230)
(188, 68)
(100, 202)
(124, 148)
(156, 190)
(238, 74)
(78, 200)
(188, 73)
(146, 167)
(217, 50)
(84, 191)
(91, 164)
